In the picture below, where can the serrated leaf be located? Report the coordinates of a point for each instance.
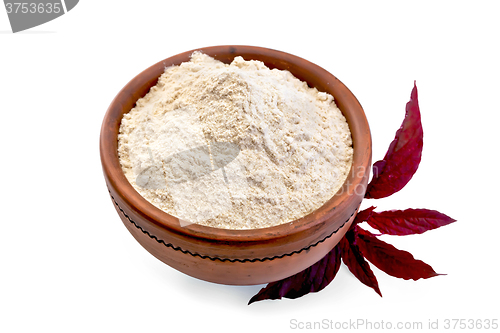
(407, 222)
(353, 259)
(387, 258)
(403, 156)
(312, 279)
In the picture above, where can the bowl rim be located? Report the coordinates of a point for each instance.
(131, 198)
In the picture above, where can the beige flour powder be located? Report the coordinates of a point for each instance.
(234, 146)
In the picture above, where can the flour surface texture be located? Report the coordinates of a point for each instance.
(236, 146)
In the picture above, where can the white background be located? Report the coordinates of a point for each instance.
(69, 265)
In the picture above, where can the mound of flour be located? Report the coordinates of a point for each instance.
(236, 146)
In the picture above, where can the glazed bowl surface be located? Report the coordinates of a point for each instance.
(238, 257)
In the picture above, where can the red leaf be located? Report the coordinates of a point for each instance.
(403, 156)
(407, 222)
(353, 259)
(389, 259)
(363, 215)
(312, 279)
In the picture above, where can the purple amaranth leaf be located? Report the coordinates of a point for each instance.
(403, 156)
(389, 259)
(363, 215)
(312, 279)
(353, 259)
(407, 222)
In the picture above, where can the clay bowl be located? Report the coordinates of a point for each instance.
(238, 257)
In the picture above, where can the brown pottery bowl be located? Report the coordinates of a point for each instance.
(238, 257)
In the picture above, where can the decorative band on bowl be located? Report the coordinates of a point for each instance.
(176, 248)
